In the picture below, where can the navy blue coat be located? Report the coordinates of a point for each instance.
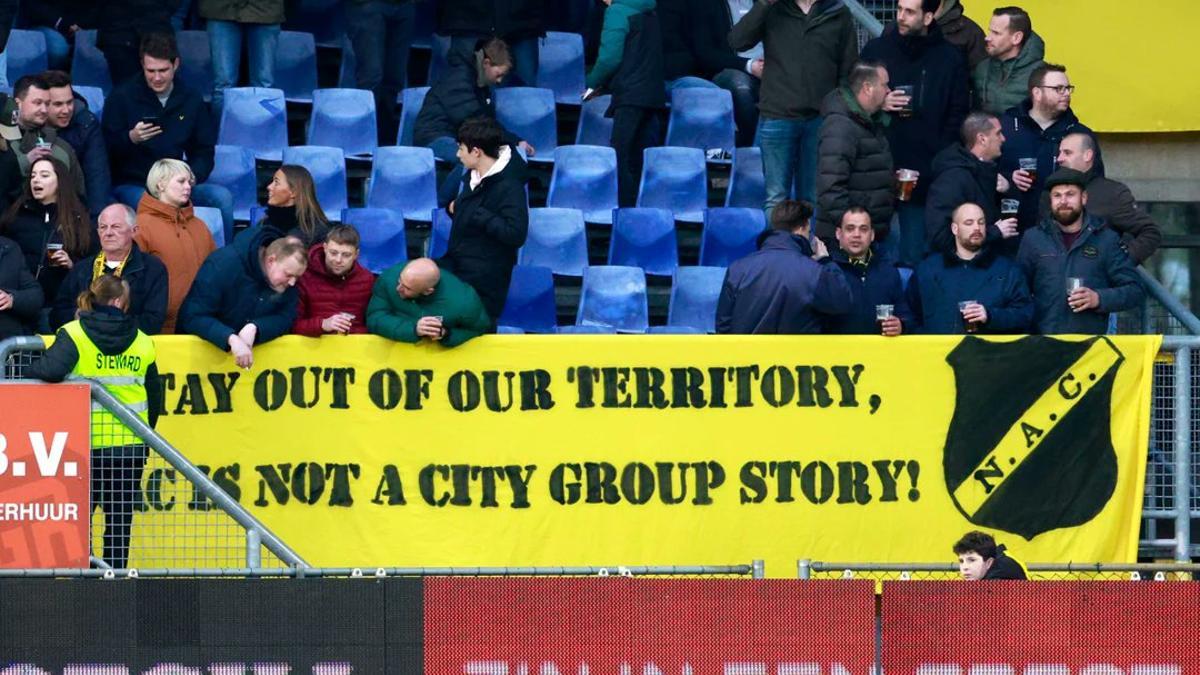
(147, 278)
(878, 284)
(231, 290)
(937, 70)
(87, 138)
(943, 280)
(188, 130)
(780, 290)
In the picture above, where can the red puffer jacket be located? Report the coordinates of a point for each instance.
(323, 294)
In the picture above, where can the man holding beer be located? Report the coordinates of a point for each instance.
(879, 306)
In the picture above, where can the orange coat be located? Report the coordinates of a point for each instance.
(180, 240)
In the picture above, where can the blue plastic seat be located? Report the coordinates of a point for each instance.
(906, 274)
(614, 296)
(88, 66)
(644, 238)
(296, 65)
(439, 234)
(729, 234)
(585, 178)
(233, 168)
(216, 224)
(701, 118)
(675, 179)
(747, 186)
(348, 70)
(382, 240)
(26, 52)
(255, 118)
(328, 168)
(587, 330)
(674, 330)
(256, 214)
(508, 330)
(439, 58)
(344, 118)
(529, 113)
(560, 66)
(530, 303)
(594, 127)
(195, 56)
(557, 239)
(694, 294)
(404, 179)
(411, 100)
(94, 97)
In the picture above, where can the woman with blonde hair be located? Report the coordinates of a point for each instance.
(169, 229)
(292, 206)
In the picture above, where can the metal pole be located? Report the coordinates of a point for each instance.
(1176, 308)
(1183, 454)
(253, 548)
(864, 17)
(804, 569)
(758, 569)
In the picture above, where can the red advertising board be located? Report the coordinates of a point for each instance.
(44, 475)
(623, 626)
(1040, 627)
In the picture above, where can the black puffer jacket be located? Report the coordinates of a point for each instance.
(509, 19)
(26, 293)
(959, 177)
(854, 165)
(455, 97)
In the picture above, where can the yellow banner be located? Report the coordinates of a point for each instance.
(1129, 62)
(602, 450)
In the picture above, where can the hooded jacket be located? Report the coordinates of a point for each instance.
(877, 282)
(454, 97)
(232, 290)
(937, 71)
(1096, 257)
(1024, 137)
(180, 240)
(148, 290)
(86, 137)
(696, 38)
(510, 19)
(630, 60)
(960, 31)
(395, 318)
(1112, 202)
(15, 279)
(854, 165)
(780, 290)
(188, 130)
(805, 56)
(489, 226)
(1000, 85)
(321, 294)
(943, 280)
(959, 177)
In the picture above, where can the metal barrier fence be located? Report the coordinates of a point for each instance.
(754, 570)
(810, 569)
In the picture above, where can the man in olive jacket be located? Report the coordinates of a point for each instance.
(1014, 51)
(416, 300)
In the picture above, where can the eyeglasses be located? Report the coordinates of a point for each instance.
(1060, 89)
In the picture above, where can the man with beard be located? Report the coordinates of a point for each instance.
(969, 289)
(1075, 264)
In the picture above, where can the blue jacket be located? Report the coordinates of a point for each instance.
(780, 290)
(188, 130)
(87, 138)
(943, 280)
(1096, 257)
(231, 290)
(878, 283)
(147, 279)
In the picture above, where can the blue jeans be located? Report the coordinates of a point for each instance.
(225, 41)
(446, 149)
(58, 50)
(381, 34)
(524, 54)
(910, 235)
(204, 194)
(789, 151)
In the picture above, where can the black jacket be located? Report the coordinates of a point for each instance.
(231, 290)
(489, 226)
(32, 229)
(854, 165)
(87, 138)
(780, 290)
(8, 12)
(638, 80)
(1005, 568)
(59, 14)
(509, 19)
(15, 279)
(1112, 202)
(283, 218)
(696, 38)
(124, 21)
(937, 71)
(147, 279)
(453, 98)
(875, 283)
(958, 177)
(188, 130)
(943, 280)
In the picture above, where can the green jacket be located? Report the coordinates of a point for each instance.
(391, 316)
(612, 38)
(243, 11)
(1000, 85)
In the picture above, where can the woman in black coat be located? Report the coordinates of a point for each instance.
(20, 294)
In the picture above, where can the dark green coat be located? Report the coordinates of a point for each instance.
(243, 11)
(391, 316)
(1000, 85)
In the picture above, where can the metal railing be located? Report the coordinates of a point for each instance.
(754, 570)
(811, 569)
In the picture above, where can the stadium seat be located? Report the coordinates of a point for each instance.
(439, 57)
(216, 224)
(328, 168)
(729, 234)
(508, 330)
(411, 100)
(614, 297)
(587, 330)
(94, 97)
(382, 239)
(256, 214)
(426, 19)
(701, 118)
(644, 238)
(439, 234)
(348, 69)
(560, 66)
(233, 168)
(675, 179)
(747, 187)
(585, 178)
(344, 118)
(89, 68)
(255, 118)
(906, 274)
(296, 65)
(594, 127)
(558, 240)
(530, 303)
(674, 330)
(404, 179)
(195, 58)
(26, 53)
(694, 294)
(529, 113)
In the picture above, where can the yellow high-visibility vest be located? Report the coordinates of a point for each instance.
(123, 375)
